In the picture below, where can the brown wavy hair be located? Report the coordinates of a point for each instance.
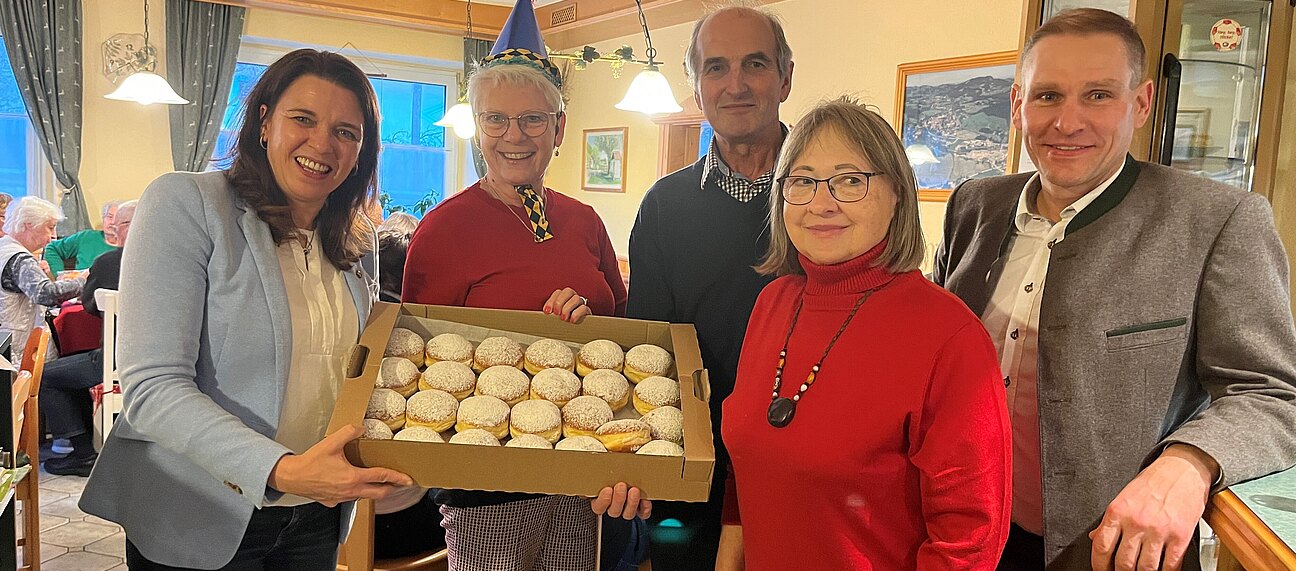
(344, 232)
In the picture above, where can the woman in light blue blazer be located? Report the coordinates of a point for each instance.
(240, 293)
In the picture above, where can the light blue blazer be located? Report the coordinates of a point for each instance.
(204, 343)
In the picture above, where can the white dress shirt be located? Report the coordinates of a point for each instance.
(1012, 318)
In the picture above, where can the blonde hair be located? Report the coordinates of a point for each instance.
(869, 135)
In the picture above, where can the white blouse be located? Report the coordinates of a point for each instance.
(325, 326)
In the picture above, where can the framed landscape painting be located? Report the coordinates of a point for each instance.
(603, 165)
(954, 118)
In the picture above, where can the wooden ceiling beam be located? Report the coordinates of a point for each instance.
(444, 16)
(596, 20)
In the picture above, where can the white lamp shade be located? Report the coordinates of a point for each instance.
(460, 119)
(650, 94)
(146, 88)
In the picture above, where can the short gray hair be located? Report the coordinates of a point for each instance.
(492, 77)
(782, 50)
(399, 223)
(109, 206)
(126, 209)
(30, 211)
(872, 137)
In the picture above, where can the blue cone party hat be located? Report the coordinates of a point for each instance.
(520, 43)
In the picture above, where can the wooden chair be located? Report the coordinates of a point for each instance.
(111, 403)
(357, 553)
(26, 415)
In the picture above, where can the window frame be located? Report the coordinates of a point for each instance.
(264, 51)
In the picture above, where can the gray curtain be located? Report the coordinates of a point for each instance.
(43, 40)
(202, 48)
(474, 52)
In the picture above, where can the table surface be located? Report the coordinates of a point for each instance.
(1273, 499)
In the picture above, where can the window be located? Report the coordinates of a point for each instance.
(19, 156)
(417, 165)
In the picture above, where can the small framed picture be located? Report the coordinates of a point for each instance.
(603, 167)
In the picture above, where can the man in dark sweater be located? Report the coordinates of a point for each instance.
(65, 387)
(701, 230)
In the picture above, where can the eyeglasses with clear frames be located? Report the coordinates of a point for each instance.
(850, 186)
(531, 123)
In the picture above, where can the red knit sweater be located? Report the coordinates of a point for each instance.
(472, 251)
(899, 454)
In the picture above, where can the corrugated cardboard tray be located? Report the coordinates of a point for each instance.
(443, 465)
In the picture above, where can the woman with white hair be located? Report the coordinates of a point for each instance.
(24, 285)
(517, 245)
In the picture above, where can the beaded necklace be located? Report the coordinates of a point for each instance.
(782, 409)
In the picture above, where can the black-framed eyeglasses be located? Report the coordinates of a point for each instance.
(531, 123)
(850, 186)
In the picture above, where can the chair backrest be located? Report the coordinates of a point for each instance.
(111, 401)
(26, 387)
(34, 355)
(106, 300)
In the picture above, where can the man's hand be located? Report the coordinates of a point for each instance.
(623, 502)
(1151, 522)
(323, 473)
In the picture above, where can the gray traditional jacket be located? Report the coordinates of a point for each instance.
(1165, 319)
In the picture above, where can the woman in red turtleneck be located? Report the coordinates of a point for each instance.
(895, 454)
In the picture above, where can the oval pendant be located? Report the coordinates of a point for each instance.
(781, 411)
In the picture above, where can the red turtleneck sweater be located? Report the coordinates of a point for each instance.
(899, 454)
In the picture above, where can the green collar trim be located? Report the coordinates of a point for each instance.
(1109, 198)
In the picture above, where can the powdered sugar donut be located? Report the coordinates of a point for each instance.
(548, 354)
(558, 386)
(452, 377)
(600, 354)
(497, 351)
(448, 347)
(398, 374)
(405, 344)
(643, 361)
(505, 383)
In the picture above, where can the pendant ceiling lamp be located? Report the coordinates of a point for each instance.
(144, 86)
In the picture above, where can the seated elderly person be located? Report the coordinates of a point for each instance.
(24, 286)
(78, 251)
(65, 395)
(399, 223)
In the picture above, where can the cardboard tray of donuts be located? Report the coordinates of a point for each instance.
(518, 401)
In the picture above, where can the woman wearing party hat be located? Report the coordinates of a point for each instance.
(518, 245)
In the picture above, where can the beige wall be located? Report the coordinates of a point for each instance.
(126, 145)
(855, 51)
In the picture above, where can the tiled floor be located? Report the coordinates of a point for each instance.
(72, 539)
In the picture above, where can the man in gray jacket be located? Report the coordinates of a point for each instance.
(1141, 316)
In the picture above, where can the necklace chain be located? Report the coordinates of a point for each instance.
(307, 247)
(814, 370)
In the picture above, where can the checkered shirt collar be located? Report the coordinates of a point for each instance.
(734, 183)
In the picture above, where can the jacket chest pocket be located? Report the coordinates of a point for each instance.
(1146, 334)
